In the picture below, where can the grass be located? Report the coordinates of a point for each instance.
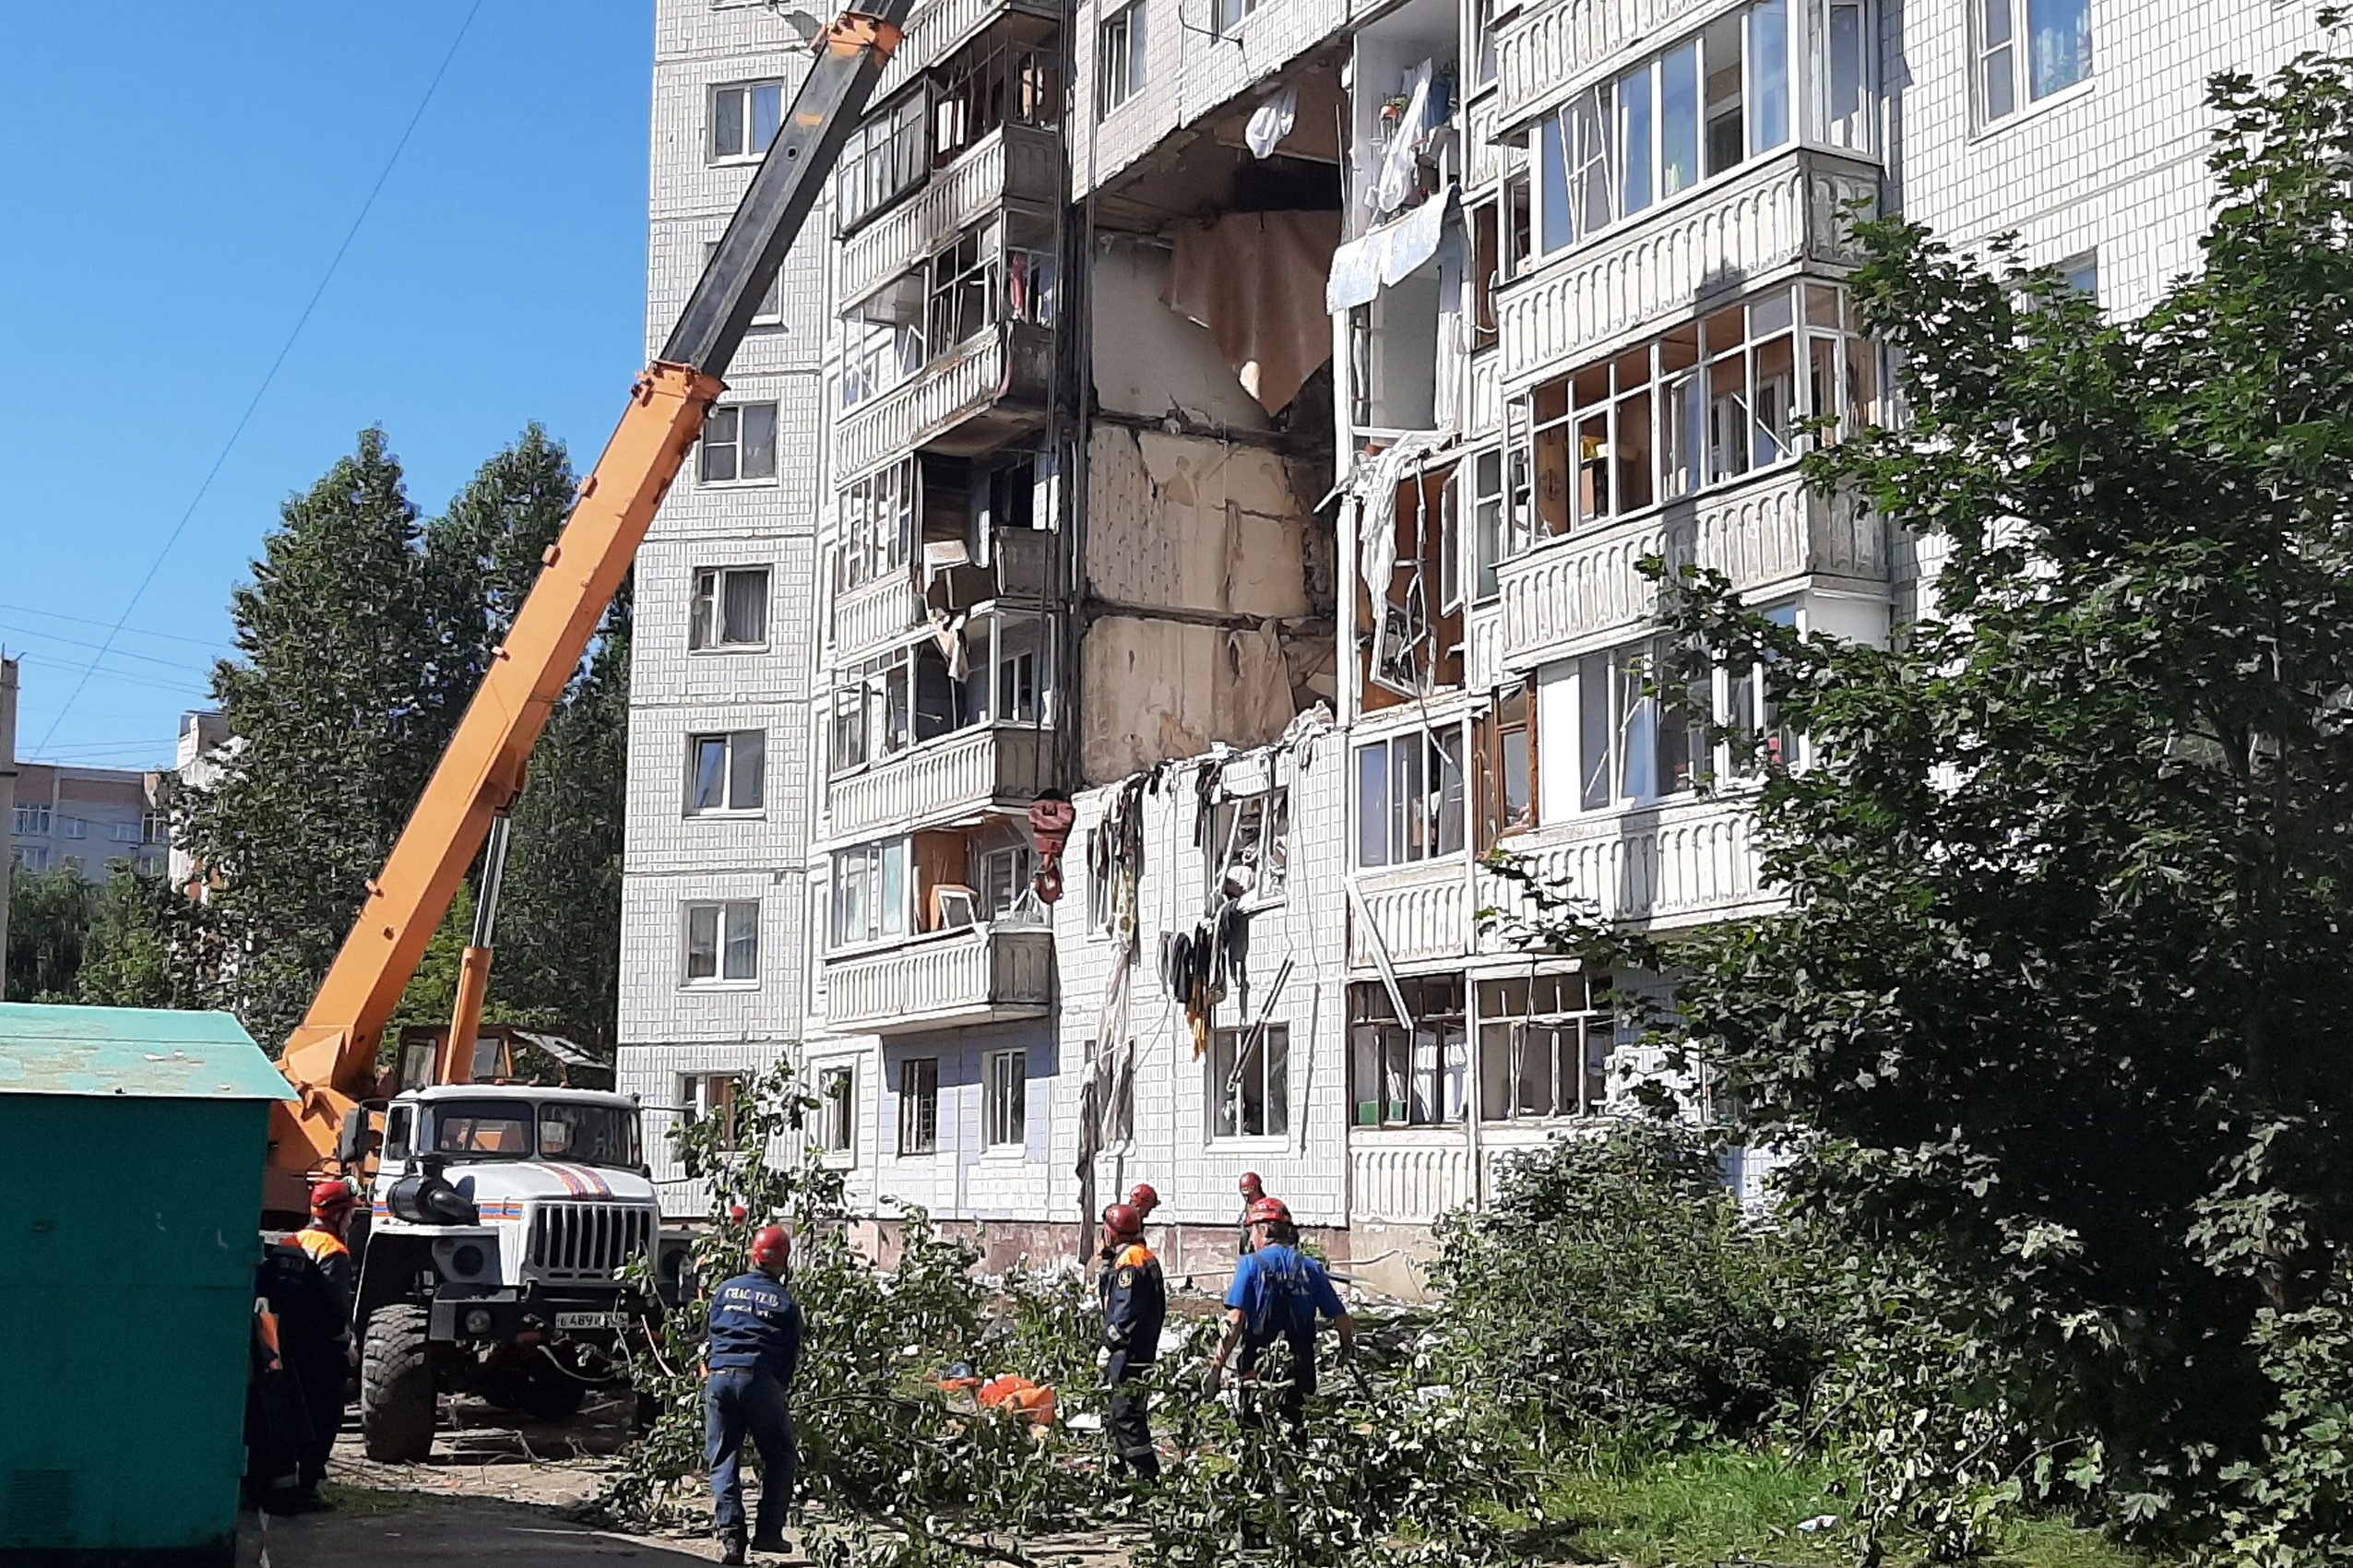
(366, 1500)
(1731, 1506)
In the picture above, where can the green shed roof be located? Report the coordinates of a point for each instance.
(151, 1053)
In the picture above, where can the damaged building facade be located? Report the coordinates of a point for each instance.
(1196, 468)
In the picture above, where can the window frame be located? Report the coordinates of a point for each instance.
(699, 1096)
(837, 1111)
(1412, 835)
(706, 609)
(1511, 1029)
(877, 519)
(748, 121)
(731, 773)
(725, 431)
(1265, 818)
(2018, 69)
(869, 867)
(734, 922)
(887, 156)
(918, 1106)
(1122, 58)
(1004, 1100)
(1226, 1119)
(1434, 1059)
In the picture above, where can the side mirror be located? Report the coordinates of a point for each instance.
(352, 1145)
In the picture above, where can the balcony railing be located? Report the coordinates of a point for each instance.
(1722, 239)
(944, 979)
(1767, 530)
(1552, 47)
(1421, 911)
(938, 30)
(874, 614)
(943, 780)
(1681, 863)
(1012, 162)
(1007, 364)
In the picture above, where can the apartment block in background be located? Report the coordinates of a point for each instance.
(1242, 419)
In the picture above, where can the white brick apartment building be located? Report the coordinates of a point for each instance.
(1306, 587)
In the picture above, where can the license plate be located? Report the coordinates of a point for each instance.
(587, 1320)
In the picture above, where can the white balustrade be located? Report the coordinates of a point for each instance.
(1407, 1178)
(1422, 911)
(1002, 363)
(941, 980)
(1688, 863)
(943, 780)
(1550, 49)
(1012, 162)
(874, 614)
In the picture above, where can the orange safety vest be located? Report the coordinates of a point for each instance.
(321, 1245)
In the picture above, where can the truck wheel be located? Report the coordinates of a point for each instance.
(396, 1404)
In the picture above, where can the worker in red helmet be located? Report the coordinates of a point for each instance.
(1143, 1200)
(1251, 1190)
(1277, 1295)
(753, 1352)
(1136, 1303)
(306, 1279)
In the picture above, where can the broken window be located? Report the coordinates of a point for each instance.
(878, 526)
(726, 772)
(1007, 674)
(1636, 743)
(1250, 1081)
(730, 608)
(837, 1109)
(722, 941)
(739, 444)
(870, 893)
(1001, 877)
(1006, 80)
(888, 703)
(1249, 845)
(882, 159)
(710, 1097)
(1508, 761)
(1489, 521)
(1003, 269)
(1120, 58)
(1544, 1048)
(882, 340)
(1004, 1105)
(744, 118)
(1409, 798)
(1408, 1073)
(918, 1105)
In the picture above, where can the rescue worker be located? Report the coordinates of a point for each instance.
(753, 1351)
(1279, 1292)
(1143, 1200)
(1252, 1192)
(308, 1281)
(1136, 1303)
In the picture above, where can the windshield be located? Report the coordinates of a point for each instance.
(502, 1129)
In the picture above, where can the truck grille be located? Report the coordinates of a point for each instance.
(589, 1240)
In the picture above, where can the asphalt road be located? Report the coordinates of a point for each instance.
(423, 1532)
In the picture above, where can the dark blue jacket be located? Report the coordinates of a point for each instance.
(756, 1323)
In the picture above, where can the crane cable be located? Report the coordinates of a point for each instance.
(270, 375)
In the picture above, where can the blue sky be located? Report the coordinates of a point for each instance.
(177, 179)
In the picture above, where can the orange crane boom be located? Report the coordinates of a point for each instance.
(331, 1058)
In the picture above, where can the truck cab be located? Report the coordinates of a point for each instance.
(501, 1219)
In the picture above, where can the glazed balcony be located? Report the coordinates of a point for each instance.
(958, 778)
(943, 980)
(1546, 50)
(1012, 162)
(977, 396)
(938, 30)
(1784, 210)
(1766, 532)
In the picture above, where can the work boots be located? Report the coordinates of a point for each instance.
(775, 1545)
(733, 1555)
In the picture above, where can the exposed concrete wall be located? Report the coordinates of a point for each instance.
(1162, 689)
(1178, 522)
(1148, 359)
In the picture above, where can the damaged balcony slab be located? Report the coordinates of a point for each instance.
(937, 30)
(944, 979)
(983, 395)
(1012, 162)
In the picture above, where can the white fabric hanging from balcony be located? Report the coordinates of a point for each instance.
(1387, 254)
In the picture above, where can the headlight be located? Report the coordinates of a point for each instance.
(478, 1320)
(467, 1259)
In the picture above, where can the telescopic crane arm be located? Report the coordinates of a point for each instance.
(331, 1057)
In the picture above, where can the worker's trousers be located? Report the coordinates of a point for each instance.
(323, 1374)
(740, 1402)
(1127, 1424)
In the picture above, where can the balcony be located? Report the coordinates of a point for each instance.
(978, 396)
(1683, 863)
(874, 614)
(937, 30)
(1786, 210)
(1013, 163)
(1422, 911)
(1764, 532)
(1553, 47)
(955, 778)
(943, 980)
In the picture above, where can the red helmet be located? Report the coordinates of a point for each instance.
(771, 1248)
(332, 1198)
(1251, 1188)
(1124, 1222)
(1143, 1198)
(739, 1212)
(1270, 1211)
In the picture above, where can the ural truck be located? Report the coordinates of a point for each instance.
(502, 1216)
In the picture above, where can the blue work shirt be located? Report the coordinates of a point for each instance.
(1280, 1291)
(756, 1323)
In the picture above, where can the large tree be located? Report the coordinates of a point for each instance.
(2061, 1016)
(362, 636)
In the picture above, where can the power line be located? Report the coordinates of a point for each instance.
(271, 375)
(134, 630)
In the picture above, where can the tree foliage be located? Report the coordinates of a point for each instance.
(49, 913)
(2058, 1016)
(126, 960)
(361, 638)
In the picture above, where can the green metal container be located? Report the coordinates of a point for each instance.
(131, 1150)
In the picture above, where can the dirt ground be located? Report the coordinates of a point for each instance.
(497, 1491)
